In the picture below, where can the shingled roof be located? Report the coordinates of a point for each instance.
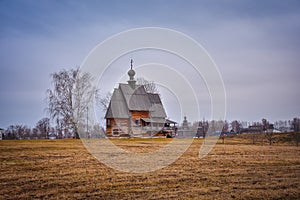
(117, 107)
(125, 99)
(136, 99)
(157, 110)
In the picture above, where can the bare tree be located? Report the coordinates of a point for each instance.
(34, 133)
(265, 124)
(27, 133)
(224, 130)
(103, 100)
(21, 131)
(270, 136)
(43, 127)
(296, 128)
(236, 126)
(71, 95)
(268, 129)
(202, 128)
(150, 86)
(10, 132)
(17, 132)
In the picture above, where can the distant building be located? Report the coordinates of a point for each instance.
(258, 128)
(185, 124)
(133, 112)
(185, 130)
(255, 128)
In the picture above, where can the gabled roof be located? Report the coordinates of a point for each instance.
(125, 99)
(157, 109)
(136, 99)
(117, 107)
(154, 98)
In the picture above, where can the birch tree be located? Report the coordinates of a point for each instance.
(68, 100)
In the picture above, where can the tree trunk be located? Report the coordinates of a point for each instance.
(75, 131)
(297, 135)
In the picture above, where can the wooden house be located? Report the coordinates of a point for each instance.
(133, 112)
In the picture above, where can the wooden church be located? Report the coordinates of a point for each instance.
(133, 112)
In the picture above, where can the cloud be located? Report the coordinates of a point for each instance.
(255, 45)
(258, 61)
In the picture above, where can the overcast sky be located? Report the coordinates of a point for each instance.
(255, 44)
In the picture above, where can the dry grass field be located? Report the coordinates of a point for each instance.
(63, 169)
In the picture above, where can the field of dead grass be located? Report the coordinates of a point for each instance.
(63, 169)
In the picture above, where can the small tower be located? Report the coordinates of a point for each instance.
(131, 74)
(185, 124)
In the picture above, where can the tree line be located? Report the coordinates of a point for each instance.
(72, 92)
(235, 127)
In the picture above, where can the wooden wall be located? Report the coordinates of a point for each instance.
(121, 124)
(137, 115)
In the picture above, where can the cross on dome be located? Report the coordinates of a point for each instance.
(131, 74)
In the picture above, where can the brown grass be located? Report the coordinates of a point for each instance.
(63, 169)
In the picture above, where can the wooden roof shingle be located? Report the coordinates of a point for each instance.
(125, 99)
